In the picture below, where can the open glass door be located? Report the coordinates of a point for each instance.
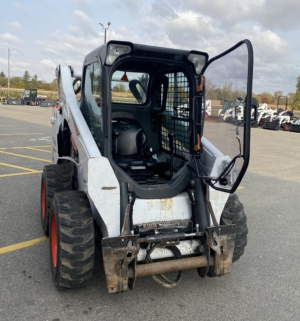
(225, 137)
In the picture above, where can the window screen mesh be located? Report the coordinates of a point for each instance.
(176, 117)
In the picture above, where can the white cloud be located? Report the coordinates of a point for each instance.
(87, 26)
(48, 63)
(85, 2)
(279, 14)
(269, 13)
(15, 24)
(9, 38)
(20, 65)
(19, 6)
(269, 44)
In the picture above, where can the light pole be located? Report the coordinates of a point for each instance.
(108, 24)
(8, 78)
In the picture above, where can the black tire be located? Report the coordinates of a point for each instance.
(55, 178)
(72, 239)
(233, 213)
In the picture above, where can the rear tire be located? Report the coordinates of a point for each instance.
(72, 239)
(55, 178)
(233, 213)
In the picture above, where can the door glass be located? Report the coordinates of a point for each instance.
(226, 89)
(92, 106)
(92, 90)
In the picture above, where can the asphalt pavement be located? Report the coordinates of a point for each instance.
(263, 285)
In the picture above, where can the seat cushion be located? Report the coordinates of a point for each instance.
(135, 163)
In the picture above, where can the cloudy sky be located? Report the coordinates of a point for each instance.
(44, 33)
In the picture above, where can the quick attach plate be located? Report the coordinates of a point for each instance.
(221, 241)
(118, 254)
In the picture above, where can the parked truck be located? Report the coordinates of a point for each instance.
(147, 181)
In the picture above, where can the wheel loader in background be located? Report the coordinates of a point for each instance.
(139, 174)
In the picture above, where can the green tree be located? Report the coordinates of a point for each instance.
(26, 79)
(266, 98)
(34, 81)
(53, 85)
(257, 97)
(297, 95)
(119, 88)
(275, 97)
(16, 82)
(3, 79)
(291, 98)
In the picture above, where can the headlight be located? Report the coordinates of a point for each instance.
(198, 61)
(114, 51)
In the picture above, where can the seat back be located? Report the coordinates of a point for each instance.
(128, 137)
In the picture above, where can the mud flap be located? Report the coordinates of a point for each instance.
(270, 125)
(221, 241)
(119, 253)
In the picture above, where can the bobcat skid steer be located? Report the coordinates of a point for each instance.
(137, 174)
(273, 120)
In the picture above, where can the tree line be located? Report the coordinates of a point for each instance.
(225, 93)
(27, 81)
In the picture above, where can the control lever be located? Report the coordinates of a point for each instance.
(171, 136)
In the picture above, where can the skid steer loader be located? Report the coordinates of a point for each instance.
(274, 121)
(136, 173)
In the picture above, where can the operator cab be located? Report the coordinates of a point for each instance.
(145, 107)
(150, 117)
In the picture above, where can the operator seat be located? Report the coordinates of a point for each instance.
(128, 139)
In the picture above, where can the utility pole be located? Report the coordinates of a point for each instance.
(8, 76)
(108, 24)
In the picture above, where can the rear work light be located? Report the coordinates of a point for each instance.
(198, 61)
(114, 51)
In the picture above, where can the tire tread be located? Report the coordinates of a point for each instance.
(76, 239)
(233, 213)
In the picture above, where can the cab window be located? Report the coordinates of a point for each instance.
(129, 87)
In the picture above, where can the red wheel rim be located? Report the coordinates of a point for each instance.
(43, 199)
(53, 240)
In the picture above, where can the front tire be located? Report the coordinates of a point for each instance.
(233, 213)
(72, 239)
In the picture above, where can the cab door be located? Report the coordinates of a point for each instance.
(225, 141)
